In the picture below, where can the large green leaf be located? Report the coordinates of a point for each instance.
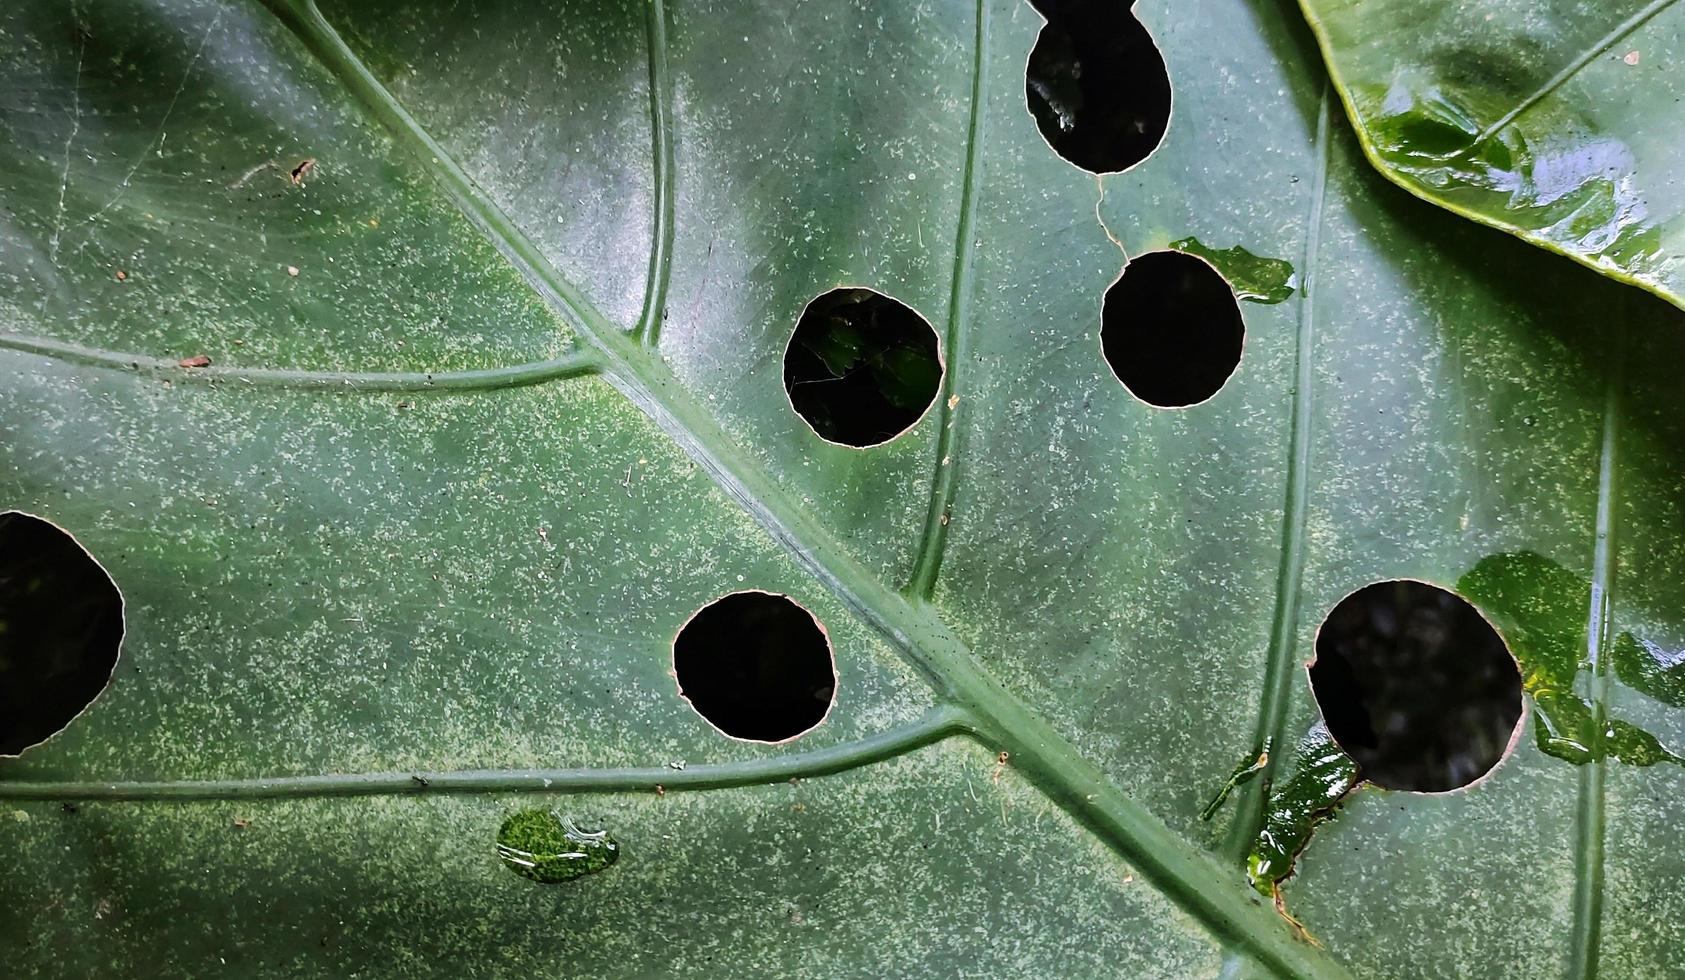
(409, 555)
(1555, 120)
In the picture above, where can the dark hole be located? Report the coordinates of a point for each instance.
(1416, 686)
(757, 666)
(1171, 329)
(861, 367)
(61, 622)
(1097, 84)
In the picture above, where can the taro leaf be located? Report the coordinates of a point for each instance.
(1555, 120)
(407, 557)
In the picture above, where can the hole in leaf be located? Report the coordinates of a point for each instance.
(1097, 84)
(61, 623)
(1171, 330)
(757, 666)
(1416, 686)
(861, 368)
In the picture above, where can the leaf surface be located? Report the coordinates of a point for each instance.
(409, 555)
(1556, 121)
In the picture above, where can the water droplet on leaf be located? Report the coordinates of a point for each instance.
(546, 847)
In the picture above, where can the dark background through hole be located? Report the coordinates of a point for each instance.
(61, 621)
(1171, 329)
(1416, 686)
(1097, 84)
(757, 666)
(861, 367)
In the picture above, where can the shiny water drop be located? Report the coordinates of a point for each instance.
(546, 847)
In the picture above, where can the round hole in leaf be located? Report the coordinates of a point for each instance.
(861, 367)
(1416, 686)
(756, 666)
(1170, 327)
(1097, 84)
(61, 624)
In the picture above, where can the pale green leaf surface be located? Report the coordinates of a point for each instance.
(764, 881)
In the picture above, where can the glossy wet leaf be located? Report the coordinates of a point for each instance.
(409, 555)
(1556, 121)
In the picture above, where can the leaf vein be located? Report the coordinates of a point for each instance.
(1589, 817)
(1271, 729)
(933, 727)
(661, 140)
(945, 480)
(570, 365)
(1574, 67)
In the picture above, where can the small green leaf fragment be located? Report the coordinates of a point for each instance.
(1323, 774)
(1540, 608)
(1636, 747)
(1567, 726)
(546, 847)
(1562, 726)
(1253, 277)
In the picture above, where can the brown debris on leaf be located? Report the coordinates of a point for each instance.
(196, 361)
(303, 170)
(1299, 930)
